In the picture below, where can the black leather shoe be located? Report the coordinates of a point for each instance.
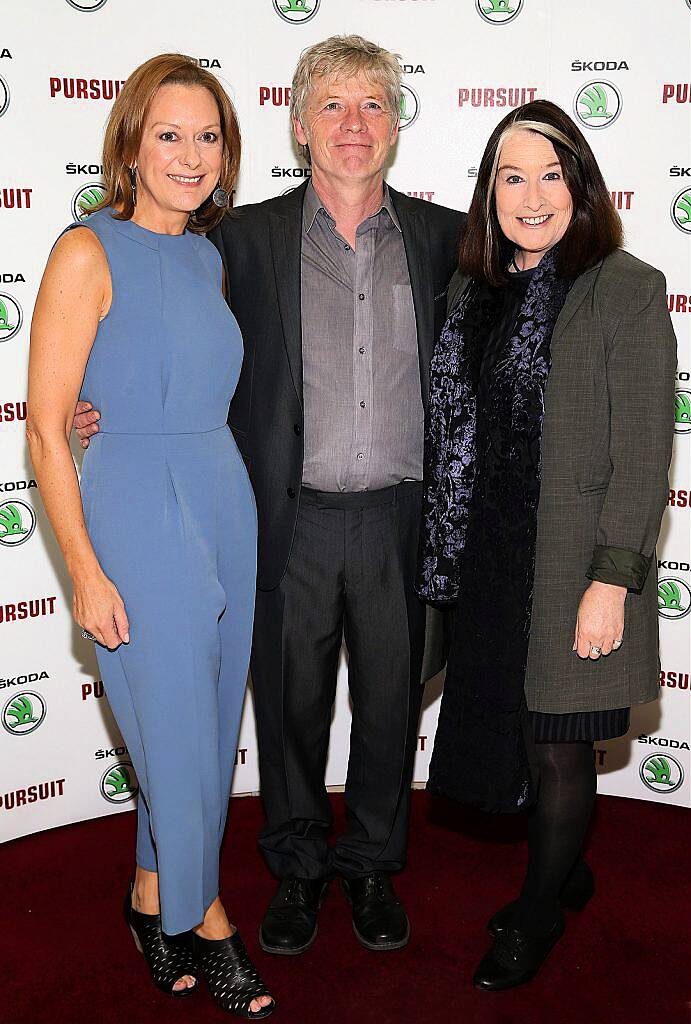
(578, 890)
(379, 919)
(290, 924)
(515, 958)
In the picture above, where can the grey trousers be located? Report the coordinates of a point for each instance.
(350, 574)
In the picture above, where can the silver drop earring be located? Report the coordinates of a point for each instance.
(221, 197)
(133, 184)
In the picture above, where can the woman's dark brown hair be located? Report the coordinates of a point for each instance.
(126, 125)
(595, 229)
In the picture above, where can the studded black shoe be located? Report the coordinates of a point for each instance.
(168, 957)
(232, 978)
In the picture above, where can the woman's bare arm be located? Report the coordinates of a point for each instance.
(73, 297)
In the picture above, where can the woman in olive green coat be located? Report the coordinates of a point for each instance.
(547, 449)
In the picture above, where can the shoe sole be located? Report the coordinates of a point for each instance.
(505, 988)
(282, 951)
(383, 947)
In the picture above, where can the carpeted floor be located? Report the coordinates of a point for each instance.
(67, 957)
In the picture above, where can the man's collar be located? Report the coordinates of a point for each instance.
(313, 204)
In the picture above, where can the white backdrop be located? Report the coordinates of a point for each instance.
(623, 69)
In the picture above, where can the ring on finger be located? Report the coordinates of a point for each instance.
(87, 635)
(596, 650)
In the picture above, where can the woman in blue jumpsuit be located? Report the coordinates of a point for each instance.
(171, 518)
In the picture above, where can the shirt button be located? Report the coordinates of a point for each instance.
(362, 405)
(361, 351)
(290, 491)
(360, 456)
(347, 248)
(361, 296)
(297, 428)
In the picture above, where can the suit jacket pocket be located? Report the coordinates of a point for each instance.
(593, 487)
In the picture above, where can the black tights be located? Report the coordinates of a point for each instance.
(556, 829)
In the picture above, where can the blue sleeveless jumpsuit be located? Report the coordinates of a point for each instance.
(171, 515)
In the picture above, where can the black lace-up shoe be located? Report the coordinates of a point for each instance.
(515, 958)
(290, 924)
(379, 919)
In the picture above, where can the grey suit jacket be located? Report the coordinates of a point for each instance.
(606, 446)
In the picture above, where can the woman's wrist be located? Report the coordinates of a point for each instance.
(611, 589)
(84, 568)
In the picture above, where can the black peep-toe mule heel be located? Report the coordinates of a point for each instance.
(168, 957)
(232, 978)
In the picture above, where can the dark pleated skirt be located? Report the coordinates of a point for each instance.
(580, 725)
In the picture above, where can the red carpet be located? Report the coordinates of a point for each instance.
(67, 957)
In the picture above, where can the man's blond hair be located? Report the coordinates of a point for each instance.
(341, 57)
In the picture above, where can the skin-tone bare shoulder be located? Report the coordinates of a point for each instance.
(79, 251)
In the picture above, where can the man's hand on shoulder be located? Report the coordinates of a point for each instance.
(85, 422)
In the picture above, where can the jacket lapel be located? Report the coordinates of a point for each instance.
(285, 233)
(580, 288)
(417, 247)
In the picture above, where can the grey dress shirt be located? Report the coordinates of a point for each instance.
(363, 411)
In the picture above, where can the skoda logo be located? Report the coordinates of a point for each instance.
(597, 104)
(499, 12)
(662, 773)
(680, 210)
(297, 12)
(10, 317)
(119, 783)
(24, 713)
(17, 523)
(87, 5)
(4, 95)
(673, 598)
(682, 412)
(85, 198)
(410, 107)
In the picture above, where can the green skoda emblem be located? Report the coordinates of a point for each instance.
(296, 12)
(10, 317)
(86, 198)
(17, 523)
(682, 412)
(662, 773)
(597, 104)
(119, 783)
(680, 210)
(499, 12)
(673, 598)
(24, 713)
(410, 108)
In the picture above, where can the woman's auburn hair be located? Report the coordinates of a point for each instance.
(594, 230)
(125, 127)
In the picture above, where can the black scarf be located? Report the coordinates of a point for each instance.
(482, 486)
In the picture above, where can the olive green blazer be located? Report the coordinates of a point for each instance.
(606, 446)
